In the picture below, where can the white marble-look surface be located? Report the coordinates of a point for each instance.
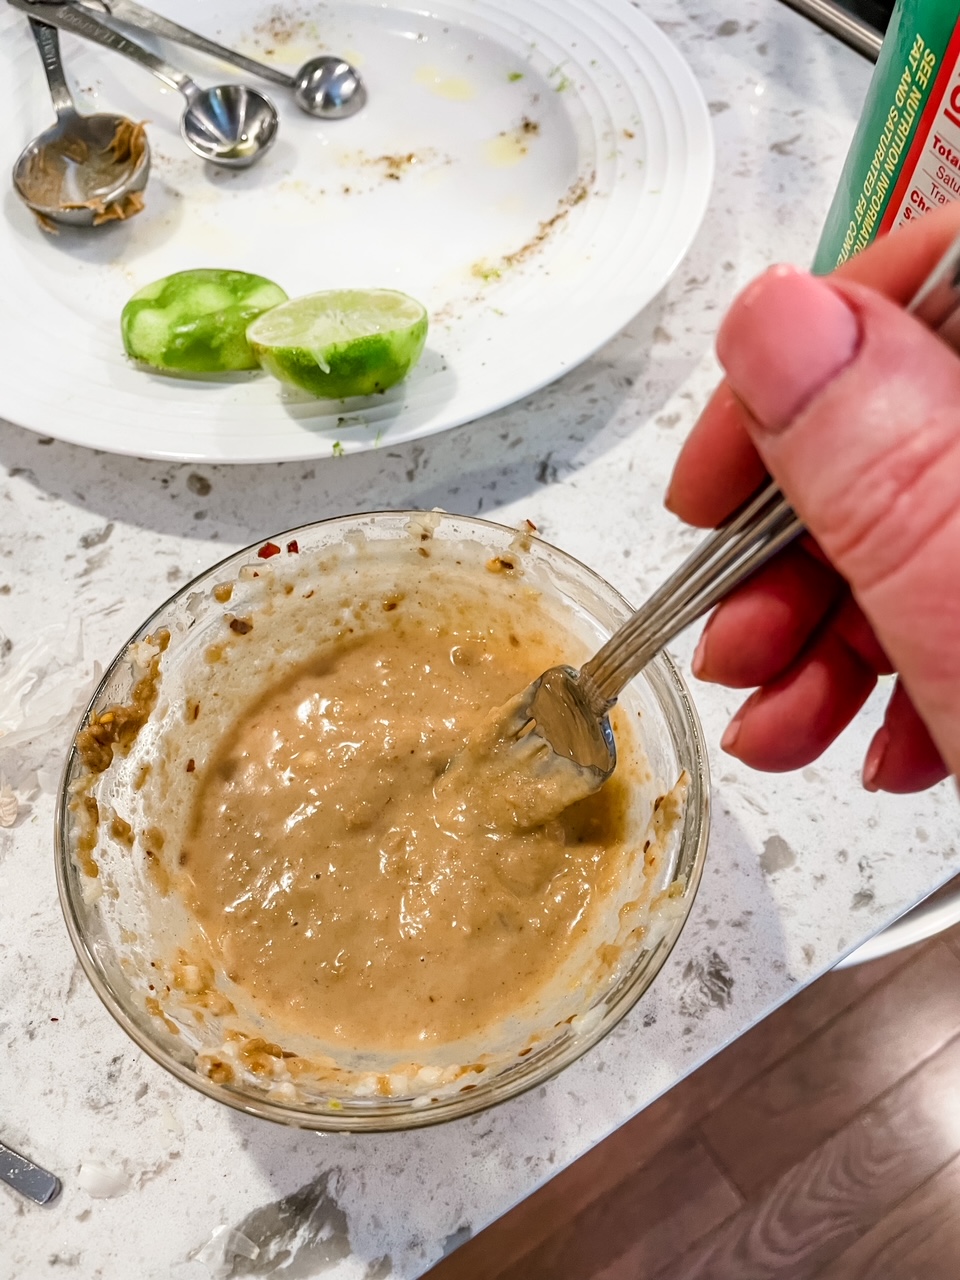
(800, 869)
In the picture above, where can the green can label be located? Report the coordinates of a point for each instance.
(905, 156)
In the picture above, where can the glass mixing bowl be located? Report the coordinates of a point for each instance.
(111, 916)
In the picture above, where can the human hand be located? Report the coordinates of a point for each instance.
(854, 408)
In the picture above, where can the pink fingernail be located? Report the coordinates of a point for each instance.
(783, 340)
(874, 760)
(732, 732)
(699, 657)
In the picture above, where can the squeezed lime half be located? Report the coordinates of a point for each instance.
(196, 321)
(342, 342)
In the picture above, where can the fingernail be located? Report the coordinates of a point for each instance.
(699, 657)
(732, 732)
(784, 339)
(874, 760)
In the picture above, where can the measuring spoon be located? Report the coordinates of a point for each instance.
(230, 125)
(85, 169)
(325, 86)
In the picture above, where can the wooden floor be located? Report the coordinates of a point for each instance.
(823, 1143)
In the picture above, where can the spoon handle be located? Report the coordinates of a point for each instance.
(26, 1177)
(128, 11)
(763, 526)
(74, 18)
(48, 42)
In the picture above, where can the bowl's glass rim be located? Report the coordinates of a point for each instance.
(688, 733)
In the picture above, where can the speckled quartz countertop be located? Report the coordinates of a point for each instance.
(800, 868)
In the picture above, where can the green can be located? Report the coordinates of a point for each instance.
(905, 156)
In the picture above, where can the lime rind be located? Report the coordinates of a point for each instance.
(196, 321)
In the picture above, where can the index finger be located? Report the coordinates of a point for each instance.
(897, 264)
(718, 468)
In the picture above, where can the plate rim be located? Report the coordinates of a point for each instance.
(688, 109)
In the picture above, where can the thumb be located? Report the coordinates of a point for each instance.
(855, 408)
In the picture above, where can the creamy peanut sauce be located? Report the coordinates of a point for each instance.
(320, 870)
(355, 891)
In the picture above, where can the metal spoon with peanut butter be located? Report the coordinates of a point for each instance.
(84, 170)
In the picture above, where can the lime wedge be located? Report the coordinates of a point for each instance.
(196, 321)
(344, 342)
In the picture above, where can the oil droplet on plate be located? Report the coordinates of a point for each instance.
(507, 149)
(454, 88)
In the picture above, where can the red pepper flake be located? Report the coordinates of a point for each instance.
(54, 1019)
(267, 550)
(191, 765)
(293, 547)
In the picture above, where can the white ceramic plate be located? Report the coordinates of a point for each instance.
(532, 171)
